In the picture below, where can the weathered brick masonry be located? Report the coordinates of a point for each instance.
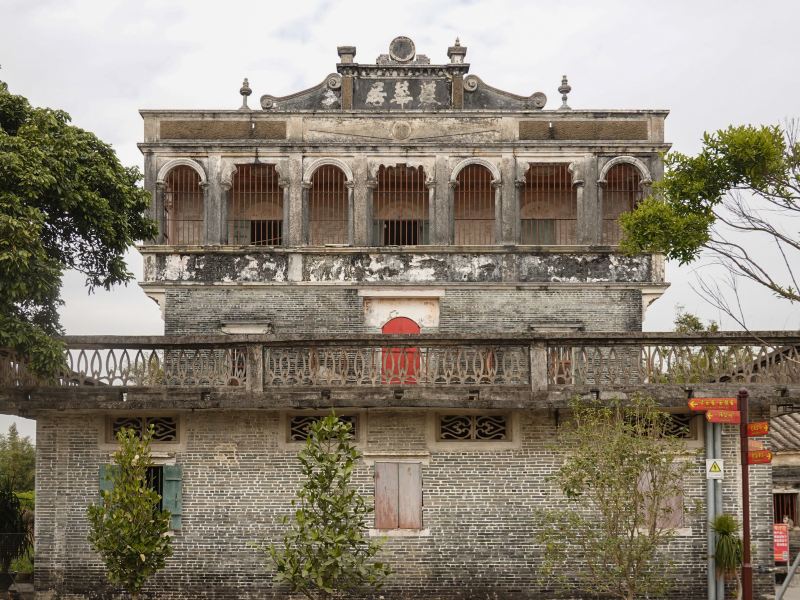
(239, 478)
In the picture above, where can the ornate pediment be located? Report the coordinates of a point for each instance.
(402, 80)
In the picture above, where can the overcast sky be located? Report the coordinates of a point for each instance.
(711, 63)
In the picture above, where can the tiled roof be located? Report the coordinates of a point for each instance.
(784, 432)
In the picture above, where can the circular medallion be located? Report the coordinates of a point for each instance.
(401, 131)
(402, 49)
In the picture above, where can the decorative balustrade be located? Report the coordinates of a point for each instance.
(549, 360)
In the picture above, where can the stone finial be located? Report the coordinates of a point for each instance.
(245, 91)
(564, 89)
(457, 52)
(346, 54)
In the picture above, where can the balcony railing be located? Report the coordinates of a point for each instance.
(540, 362)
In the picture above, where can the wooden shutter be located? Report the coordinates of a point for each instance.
(410, 496)
(398, 496)
(105, 483)
(171, 500)
(386, 495)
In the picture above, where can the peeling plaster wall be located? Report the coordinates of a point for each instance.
(401, 267)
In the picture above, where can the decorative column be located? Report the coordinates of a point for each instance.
(497, 186)
(161, 212)
(576, 172)
(369, 191)
(213, 200)
(306, 236)
(452, 184)
(350, 185)
(293, 197)
(430, 184)
(208, 218)
(151, 185)
(442, 232)
(519, 185)
(509, 222)
(224, 202)
(284, 185)
(361, 213)
(590, 204)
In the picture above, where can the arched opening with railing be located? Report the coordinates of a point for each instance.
(548, 206)
(184, 207)
(622, 192)
(255, 206)
(328, 207)
(474, 207)
(400, 207)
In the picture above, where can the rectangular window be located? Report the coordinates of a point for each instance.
(165, 428)
(784, 505)
(165, 479)
(473, 428)
(299, 426)
(398, 495)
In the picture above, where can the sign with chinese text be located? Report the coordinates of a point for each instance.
(713, 403)
(758, 428)
(780, 537)
(724, 416)
(759, 457)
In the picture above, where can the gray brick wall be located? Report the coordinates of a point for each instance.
(239, 479)
(321, 310)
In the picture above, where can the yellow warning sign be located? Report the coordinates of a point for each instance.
(715, 468)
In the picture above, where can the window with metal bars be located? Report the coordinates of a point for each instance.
(183, 207)
(548, 206)
(255, 206)
(784, 505)
(400, 207)
(473, 207)
(621, 194)
(328, 207)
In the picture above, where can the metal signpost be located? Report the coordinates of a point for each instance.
(735, 411)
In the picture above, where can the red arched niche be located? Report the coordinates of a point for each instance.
(400, 365)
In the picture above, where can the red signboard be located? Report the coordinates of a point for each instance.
(712, 403)
(724, 416)
(758, 428)
(780, 537)
(759, 457)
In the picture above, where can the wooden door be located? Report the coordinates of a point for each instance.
(400, 365)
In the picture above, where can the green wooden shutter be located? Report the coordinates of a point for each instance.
(105, 483)
(171, 500)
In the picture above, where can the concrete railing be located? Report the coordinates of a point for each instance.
(540, 361)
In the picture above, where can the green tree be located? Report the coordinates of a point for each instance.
(14, 534)
(17, 460)
(620, 479)
(744, 181)
(126, 529)
(66, 202)
(325, 553)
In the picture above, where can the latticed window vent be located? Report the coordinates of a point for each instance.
(680, 425)
(165, 429)
(299, 425)
(474, 428)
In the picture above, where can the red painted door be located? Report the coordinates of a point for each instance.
(400, 365)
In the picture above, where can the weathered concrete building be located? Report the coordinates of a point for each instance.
(395, 197)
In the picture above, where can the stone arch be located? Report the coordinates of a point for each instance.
(321, 162)
(631, 160)
(178, 162)
(476, 161)
(229, 166)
